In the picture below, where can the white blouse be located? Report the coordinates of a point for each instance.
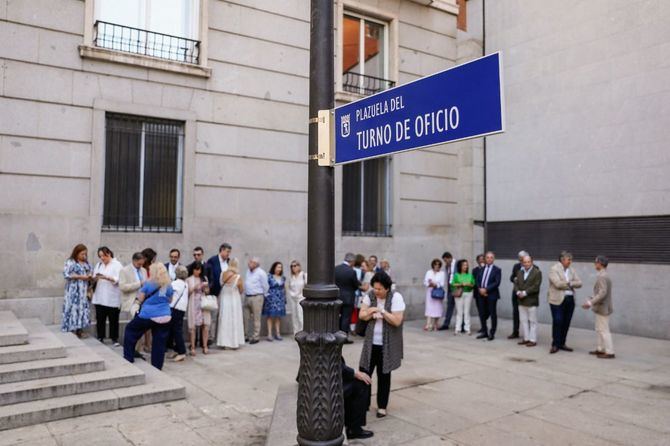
(437, 277)
(108, 293)
(296, 284)
(397, 304)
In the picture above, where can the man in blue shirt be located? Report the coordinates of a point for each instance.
(256, 286)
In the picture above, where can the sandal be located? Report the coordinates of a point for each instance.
(192, 352)
(205, 351)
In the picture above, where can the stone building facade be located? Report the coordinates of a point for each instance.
(131, 125)
(584, 164)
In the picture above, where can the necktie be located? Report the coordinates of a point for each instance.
(486, 276)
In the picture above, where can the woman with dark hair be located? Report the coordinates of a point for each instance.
(77, 273)
(383, 345)
(461, 288)
(434, 279)
(196, 316)
(149, 258)
(274, 305)
(107, 296)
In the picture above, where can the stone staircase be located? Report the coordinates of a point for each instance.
(47, 375)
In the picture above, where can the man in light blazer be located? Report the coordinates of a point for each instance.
(563, 281)
(527, 285)
(601, 304)
(131, 279)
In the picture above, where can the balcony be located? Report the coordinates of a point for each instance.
(146, 43)
(364, 85)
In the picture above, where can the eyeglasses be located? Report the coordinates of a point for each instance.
(294, 265)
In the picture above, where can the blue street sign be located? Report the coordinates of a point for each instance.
(459, 103)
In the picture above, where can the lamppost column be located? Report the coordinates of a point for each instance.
(320, 413)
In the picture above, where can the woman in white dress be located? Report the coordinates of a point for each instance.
(296, 282)
(231, 321)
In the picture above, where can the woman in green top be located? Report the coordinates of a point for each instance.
(461, 287)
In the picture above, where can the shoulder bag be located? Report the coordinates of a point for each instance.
(209, 303)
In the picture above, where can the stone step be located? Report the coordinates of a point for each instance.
(158, 388)
(42, 344)
(83, 361)
(115, 376)
(12, 332)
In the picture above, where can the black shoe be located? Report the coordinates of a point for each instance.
(139, 355)
(359, 433)
(491, 337)
(348, 341)
(253, 341)
(513, 336)
(443, 327)
(482, 336)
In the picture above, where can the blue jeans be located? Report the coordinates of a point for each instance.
(159, 333)
(561, 316)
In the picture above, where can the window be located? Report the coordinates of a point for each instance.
(166, 29)
(365, 61)
(366, 198)
(143, 174)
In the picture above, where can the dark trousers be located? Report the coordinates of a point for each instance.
(134, 331)
(383, 379)
(176, 335)
(345, 317)
(356, 400)
(102, 313)
(490, 311)
(481, 311)
(561, 316)
(515, 314)
(451, 305)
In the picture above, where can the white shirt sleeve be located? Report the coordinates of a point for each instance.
(398, 303)
(427, 277)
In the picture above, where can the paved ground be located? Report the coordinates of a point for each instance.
(450, 390)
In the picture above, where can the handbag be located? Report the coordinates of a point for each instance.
(209, 303)
(458, 292)
(437, 293)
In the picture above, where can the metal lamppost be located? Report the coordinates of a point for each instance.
(320, 413)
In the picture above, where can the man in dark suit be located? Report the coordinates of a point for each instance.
(488, 286)
(215, 266)
(347, 282)
(356, 390)
(449, 266)
(515, 299)
(172, 265)
(476, 272)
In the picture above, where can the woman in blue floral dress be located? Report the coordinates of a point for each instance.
(274, 305)
(77, 273)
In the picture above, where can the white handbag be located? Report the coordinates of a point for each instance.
(209, 303)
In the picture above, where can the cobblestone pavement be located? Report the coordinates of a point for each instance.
(450, 390)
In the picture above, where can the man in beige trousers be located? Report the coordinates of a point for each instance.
(601, 304)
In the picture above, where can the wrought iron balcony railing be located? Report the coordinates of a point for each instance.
(148, 43)
(365, 85)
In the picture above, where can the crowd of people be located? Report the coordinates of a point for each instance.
(220, 307)
(224, 309)
(451, 281)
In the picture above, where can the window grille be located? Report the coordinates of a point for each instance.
(143, 174)
(366, 198)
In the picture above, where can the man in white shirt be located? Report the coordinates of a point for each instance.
(172, 265)
(256, 287)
